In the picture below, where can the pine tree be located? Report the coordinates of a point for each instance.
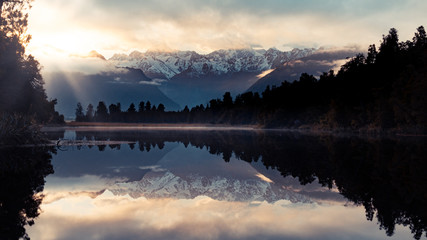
(80, 116)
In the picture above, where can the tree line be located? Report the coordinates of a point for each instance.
(114, 113)
(383, 90)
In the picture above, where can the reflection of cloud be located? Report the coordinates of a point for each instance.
(264, 178)
(56, 196)
(154, 168)
(58, 188)
(111, 217)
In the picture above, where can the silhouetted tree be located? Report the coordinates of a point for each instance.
(161, 108)
(148, 106)
(141, 107)
(90, 113)
(420, 39)
(101, 114)
(372, 54)
(227, 100)
(186, 110)
(131, 108)
(80, 116)
(115, 112)
(21, 84)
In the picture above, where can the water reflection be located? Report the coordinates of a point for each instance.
(22, 173)
(176, 183)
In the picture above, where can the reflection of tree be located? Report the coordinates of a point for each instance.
(388, 179)
(22, 173)
(386, 176)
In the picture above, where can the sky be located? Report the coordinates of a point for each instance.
(63, 28)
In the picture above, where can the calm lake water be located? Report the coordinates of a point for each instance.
(210, 184)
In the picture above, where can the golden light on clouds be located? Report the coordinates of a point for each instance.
(264, 178)
(110, 26)
(264, 73)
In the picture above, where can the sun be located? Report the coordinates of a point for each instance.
(58, 33)
(63, 43)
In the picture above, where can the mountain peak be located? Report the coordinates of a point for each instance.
(167, 64)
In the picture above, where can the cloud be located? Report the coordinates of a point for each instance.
(264, 73)
(91, 54)
(155, 81)
(110, 26)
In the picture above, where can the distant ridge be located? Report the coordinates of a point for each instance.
(193, 78)
(158, 64)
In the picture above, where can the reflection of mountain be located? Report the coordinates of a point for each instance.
(113, 162)
(189, 172)
(168, 185)
(385, 175)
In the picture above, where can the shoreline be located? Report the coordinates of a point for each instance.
(310, 130)
(103, 126)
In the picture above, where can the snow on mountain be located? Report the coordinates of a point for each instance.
(194, 78)
(168, 185)
(156, 64)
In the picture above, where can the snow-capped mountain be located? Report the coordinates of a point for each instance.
(167, 65)
(168, 185)
(194, 78)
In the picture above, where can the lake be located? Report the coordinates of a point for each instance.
(136, 183)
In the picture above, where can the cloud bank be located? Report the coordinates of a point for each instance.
(113, 26)
(121, 217)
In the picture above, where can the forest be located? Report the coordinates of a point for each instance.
(23, 100)
(382, 90)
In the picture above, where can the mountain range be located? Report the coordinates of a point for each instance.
(170, 65)
(187, 78)
(175, 171)
(190, 78)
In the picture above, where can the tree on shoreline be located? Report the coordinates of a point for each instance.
(21, 84)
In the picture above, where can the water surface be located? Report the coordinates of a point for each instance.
(154, 184)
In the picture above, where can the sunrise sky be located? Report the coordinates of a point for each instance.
(60, 28)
